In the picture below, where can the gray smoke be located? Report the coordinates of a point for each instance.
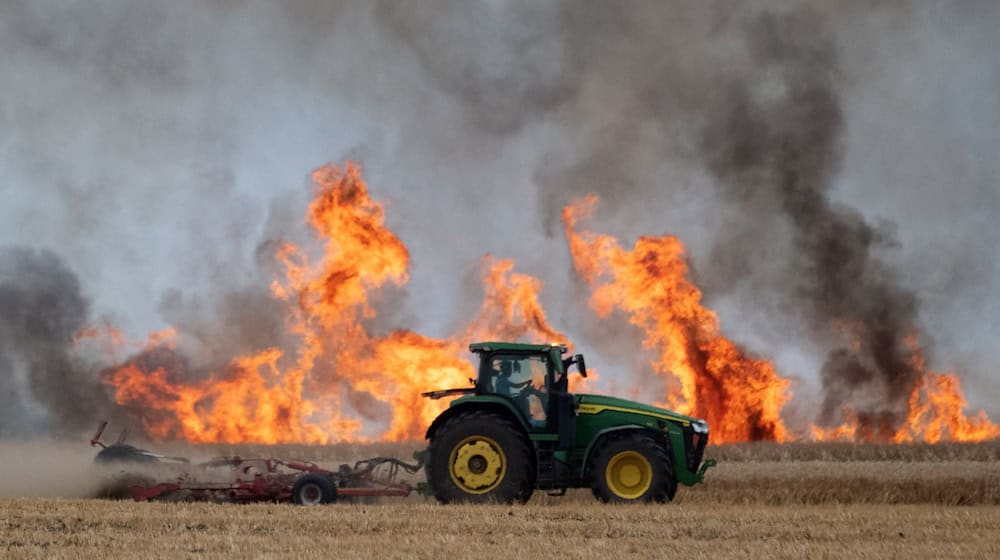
(506, 63)
(41, 308)
(49, 385)
(751, 96)
(161, 149)
(776, 145)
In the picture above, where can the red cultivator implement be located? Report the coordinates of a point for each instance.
(149, 476)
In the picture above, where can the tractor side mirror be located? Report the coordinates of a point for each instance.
(580, 365)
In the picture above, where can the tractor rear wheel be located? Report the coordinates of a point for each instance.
(313, 489)
(480, 456)
(633, 468)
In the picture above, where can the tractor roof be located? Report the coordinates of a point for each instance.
(515, 346)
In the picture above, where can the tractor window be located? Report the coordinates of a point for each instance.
(522, 378)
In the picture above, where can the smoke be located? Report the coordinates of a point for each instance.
(52, 383)
(777, 143)
(161, 149)
(747, 100)
(41, 308)
(506, 63)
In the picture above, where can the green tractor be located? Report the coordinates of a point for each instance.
(520, 429)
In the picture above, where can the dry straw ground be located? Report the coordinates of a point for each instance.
(91, 529)
(802, 500)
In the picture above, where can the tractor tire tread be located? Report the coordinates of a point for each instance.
(520, 460)
(664, 484)
(328, 490)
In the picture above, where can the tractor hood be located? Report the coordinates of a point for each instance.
(594, 404)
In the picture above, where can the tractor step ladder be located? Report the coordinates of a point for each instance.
(545, 475)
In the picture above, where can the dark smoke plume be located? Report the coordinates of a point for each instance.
(49, 387)
(44, 389)
(781, 142)
(750, 95)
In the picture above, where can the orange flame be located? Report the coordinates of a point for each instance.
(935, 413)
(510, 309)
(708, 375)
(251, 402)
(112, 341)
(337, 381)
(164, 337)
(339, 375)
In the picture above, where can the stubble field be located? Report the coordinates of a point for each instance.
(798, 500)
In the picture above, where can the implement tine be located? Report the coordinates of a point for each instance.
(96, 440)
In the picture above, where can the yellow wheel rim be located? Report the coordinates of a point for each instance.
(477, 464)
(629, 475)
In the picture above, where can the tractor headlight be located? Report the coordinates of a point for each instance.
(700, 426)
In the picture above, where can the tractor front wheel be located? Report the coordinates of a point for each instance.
(480, 456)
(633, 468)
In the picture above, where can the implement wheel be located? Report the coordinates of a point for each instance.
(633, 468)
(313, 490)
(480, 456)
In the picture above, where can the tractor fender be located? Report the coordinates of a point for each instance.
(605, 434)
(491, 403)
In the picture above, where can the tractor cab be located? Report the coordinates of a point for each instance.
(534, 378)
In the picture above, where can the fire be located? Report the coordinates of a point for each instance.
(510, 309)
(333, 377)
(323, 387)
(97, 332)
(337, 376)
(249, 402)
(935, 411)
(845, 432)
(707, 374)
(112, 342)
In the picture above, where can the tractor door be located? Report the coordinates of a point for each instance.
(562, 408)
